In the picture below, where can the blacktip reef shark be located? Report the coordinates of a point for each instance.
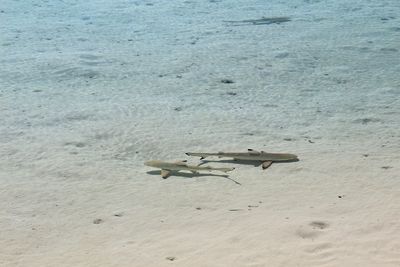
(262, 21)
(168, 167)
(251, 155)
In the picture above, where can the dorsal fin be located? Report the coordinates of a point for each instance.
(253, 152)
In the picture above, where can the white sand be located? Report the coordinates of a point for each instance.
(89, 91)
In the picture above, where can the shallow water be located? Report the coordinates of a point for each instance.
(90, 90)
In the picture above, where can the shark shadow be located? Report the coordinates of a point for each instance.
(192, 175)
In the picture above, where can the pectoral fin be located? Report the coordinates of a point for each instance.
(165, 173)
(266, 164)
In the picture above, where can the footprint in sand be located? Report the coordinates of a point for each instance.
(318, 249)
(323, 252)
(75, 144)
(319, 225)
(72, 73)
(312, 230)
(91, 60)
(97, 221)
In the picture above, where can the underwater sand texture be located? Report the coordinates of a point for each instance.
(89, 90)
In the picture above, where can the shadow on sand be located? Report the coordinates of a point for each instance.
(192, 175)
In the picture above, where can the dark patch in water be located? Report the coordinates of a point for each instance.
(282, 55)
(227, 81)
(389, 50)
(387, 18)
(367, 120)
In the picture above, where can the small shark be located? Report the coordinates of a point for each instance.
(251, 155)
(262, 21)
(167, 167)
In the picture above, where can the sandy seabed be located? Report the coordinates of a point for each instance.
(89, 90)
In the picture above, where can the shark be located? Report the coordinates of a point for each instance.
(168, 167)
(251, 155)
(262, 21)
